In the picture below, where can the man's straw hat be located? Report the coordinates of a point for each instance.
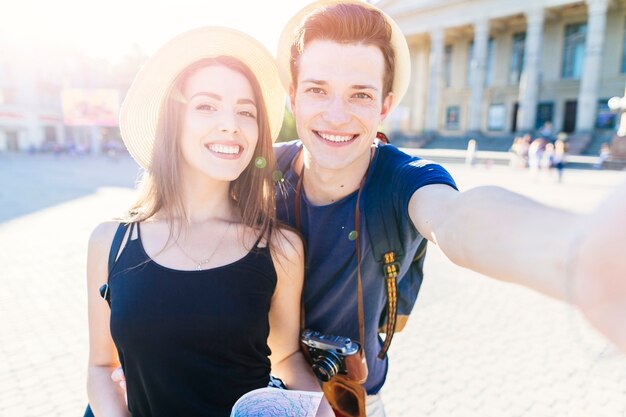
(402, 73)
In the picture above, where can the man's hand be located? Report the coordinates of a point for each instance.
(597, 268)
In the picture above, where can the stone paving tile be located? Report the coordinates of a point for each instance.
(473, 347)
(42, 306)
(515, 353)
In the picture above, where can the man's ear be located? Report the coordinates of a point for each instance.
(386, 108)
(292, 97)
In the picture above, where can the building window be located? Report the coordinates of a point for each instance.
(452, 117)
(517, 57)
(496, 117)
(50, 134)
(545, 113)
(605, 117)
(488, 64)
(447, 66)
(13, 142)
(574, 50)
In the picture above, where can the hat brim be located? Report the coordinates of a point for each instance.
(402, 74)
(141, 108)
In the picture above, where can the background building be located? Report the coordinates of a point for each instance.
(30, 109)
(34, 79)
(486, 69)
(491, 68)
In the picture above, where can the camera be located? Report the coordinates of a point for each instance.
(331, 355)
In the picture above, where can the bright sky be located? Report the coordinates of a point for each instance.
(109, 28)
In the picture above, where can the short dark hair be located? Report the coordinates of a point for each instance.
(346, 23)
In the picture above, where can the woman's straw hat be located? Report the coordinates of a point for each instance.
(402, 74)
(141, 108)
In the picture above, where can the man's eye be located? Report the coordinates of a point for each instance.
(315, 90)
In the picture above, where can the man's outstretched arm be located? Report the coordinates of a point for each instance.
(512, 238)
(499, 233)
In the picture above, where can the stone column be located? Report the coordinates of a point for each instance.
(479, 66)
(434, 82)
(419, 56)
(529, 85)
(594, 44)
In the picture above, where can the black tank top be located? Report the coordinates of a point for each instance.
(191, 342)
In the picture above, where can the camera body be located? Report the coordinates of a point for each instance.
(331, 355)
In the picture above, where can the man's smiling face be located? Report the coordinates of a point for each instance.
(338, 101)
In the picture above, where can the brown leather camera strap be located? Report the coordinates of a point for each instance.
(359, 285)
(357, 222)
(298, 226)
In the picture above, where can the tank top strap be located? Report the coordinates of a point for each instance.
(256, 244)
(258, 241)
(132, 229)
(128, 237)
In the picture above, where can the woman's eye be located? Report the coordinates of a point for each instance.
(205, 107)
(246, 113)
(363, 95)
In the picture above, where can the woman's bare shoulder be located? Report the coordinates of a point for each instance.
(102, 235)
(288, 253)
(288, 242)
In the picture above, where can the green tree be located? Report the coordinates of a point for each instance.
(288, 130)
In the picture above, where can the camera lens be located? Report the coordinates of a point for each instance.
(326, 366)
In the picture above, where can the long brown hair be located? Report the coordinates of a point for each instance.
(252, 192)
(349, 24)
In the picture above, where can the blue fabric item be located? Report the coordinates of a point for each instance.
(191, 342)
(88, 412)
(330, 286)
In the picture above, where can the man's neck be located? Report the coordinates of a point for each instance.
(325, 185)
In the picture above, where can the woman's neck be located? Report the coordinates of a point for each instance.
(206, 199)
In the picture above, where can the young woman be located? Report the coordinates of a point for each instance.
(205, 292)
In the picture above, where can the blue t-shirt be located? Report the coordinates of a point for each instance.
(330, 285)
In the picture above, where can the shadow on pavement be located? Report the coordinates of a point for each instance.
(29, 183)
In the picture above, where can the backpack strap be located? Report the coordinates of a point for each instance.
(113, 253)
(391, 267)
(285, 154)
(386, 245)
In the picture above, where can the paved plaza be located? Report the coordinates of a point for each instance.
(473, 347)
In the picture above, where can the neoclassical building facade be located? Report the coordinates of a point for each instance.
(497, 67)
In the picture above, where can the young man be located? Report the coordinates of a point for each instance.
(346, 66)
(340, 89)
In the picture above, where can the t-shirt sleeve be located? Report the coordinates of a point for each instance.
(415, 174)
